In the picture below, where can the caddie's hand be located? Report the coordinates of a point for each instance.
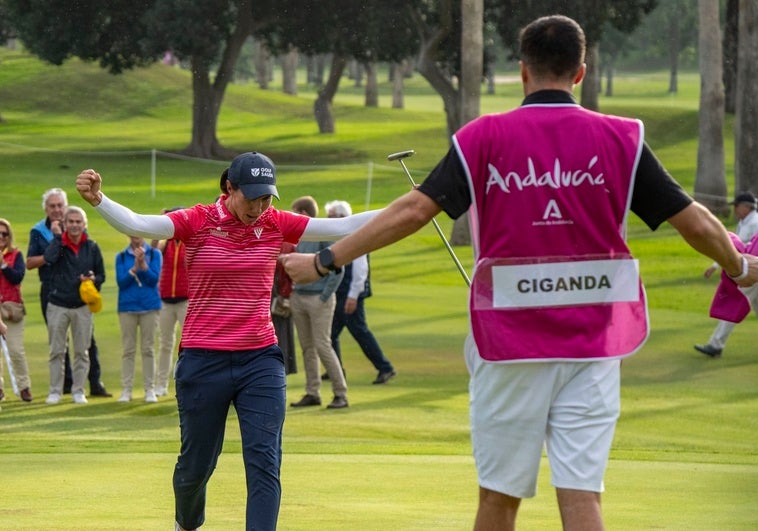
(88, 184)
(350, 305)
(752, 272)
(300, 267)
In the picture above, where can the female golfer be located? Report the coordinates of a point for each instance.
(228, 352)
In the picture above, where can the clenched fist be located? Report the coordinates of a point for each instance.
(88, 184)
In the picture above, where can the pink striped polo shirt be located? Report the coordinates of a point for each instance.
(230, 267)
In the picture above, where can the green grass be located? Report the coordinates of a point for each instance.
(684, 456)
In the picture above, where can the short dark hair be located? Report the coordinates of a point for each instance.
(224, 179)
(307, 204)
(553, 47)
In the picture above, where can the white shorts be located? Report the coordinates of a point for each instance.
(571, 407)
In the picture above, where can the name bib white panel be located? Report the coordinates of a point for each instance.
(565, 283)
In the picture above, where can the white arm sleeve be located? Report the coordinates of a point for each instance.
(322, 229)
(157, 227)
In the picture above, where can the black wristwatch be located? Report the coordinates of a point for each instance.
(326, 259)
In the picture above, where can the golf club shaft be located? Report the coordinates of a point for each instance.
(434, 221)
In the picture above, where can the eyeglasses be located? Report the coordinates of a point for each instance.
(4, 234)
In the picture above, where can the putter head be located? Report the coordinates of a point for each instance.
(400, 155)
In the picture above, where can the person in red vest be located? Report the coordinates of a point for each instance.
(173, 286)
(12, 311)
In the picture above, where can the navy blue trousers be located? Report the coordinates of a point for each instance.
(356, 325)
(207, 383)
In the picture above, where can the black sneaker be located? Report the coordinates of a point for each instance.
(708, 350)
(338, 403)
(384, 377)
(100, 391)
(307, 400)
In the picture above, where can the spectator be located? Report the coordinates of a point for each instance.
(281, 313)
(138, 268)
(54, 202)
(228, 352)
(349, 309)
(12, 311)
(745, 205)
(73, 257)
(312, 311)
(545, 370)
(173, 289)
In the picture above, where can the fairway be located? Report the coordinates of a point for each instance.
(685, 454)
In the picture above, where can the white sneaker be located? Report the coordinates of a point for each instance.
(161, 391)
(79, 398)
(126, 396)
(150, 397)
(53, 398)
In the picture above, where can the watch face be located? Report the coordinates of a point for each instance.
(326, 257)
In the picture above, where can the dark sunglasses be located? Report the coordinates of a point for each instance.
(4, 234)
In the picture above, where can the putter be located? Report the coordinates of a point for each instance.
(399, 157)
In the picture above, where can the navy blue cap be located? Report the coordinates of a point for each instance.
(255, 175)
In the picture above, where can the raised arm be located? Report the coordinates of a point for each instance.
(121, 218)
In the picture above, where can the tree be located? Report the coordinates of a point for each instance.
(289, 71)
(710, 180)
(436, 26)
(731, 35)
(592, 15)
(746, 125)
(124, 34)
(472, 57)
(472, 68)
(369, 31)
(210, 35)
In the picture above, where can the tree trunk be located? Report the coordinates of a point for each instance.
(398, 88)
(710, 180)
(316, 64)
(674, 43)
(205, 108)
(355, 72)
(289, 72)
(372, 85)
(746, 124)
(472, 57)
(591, 84)
(262, 56)
(731, 36)
(322, 107)
(207, 96)
(609, 78)
(429, 68)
